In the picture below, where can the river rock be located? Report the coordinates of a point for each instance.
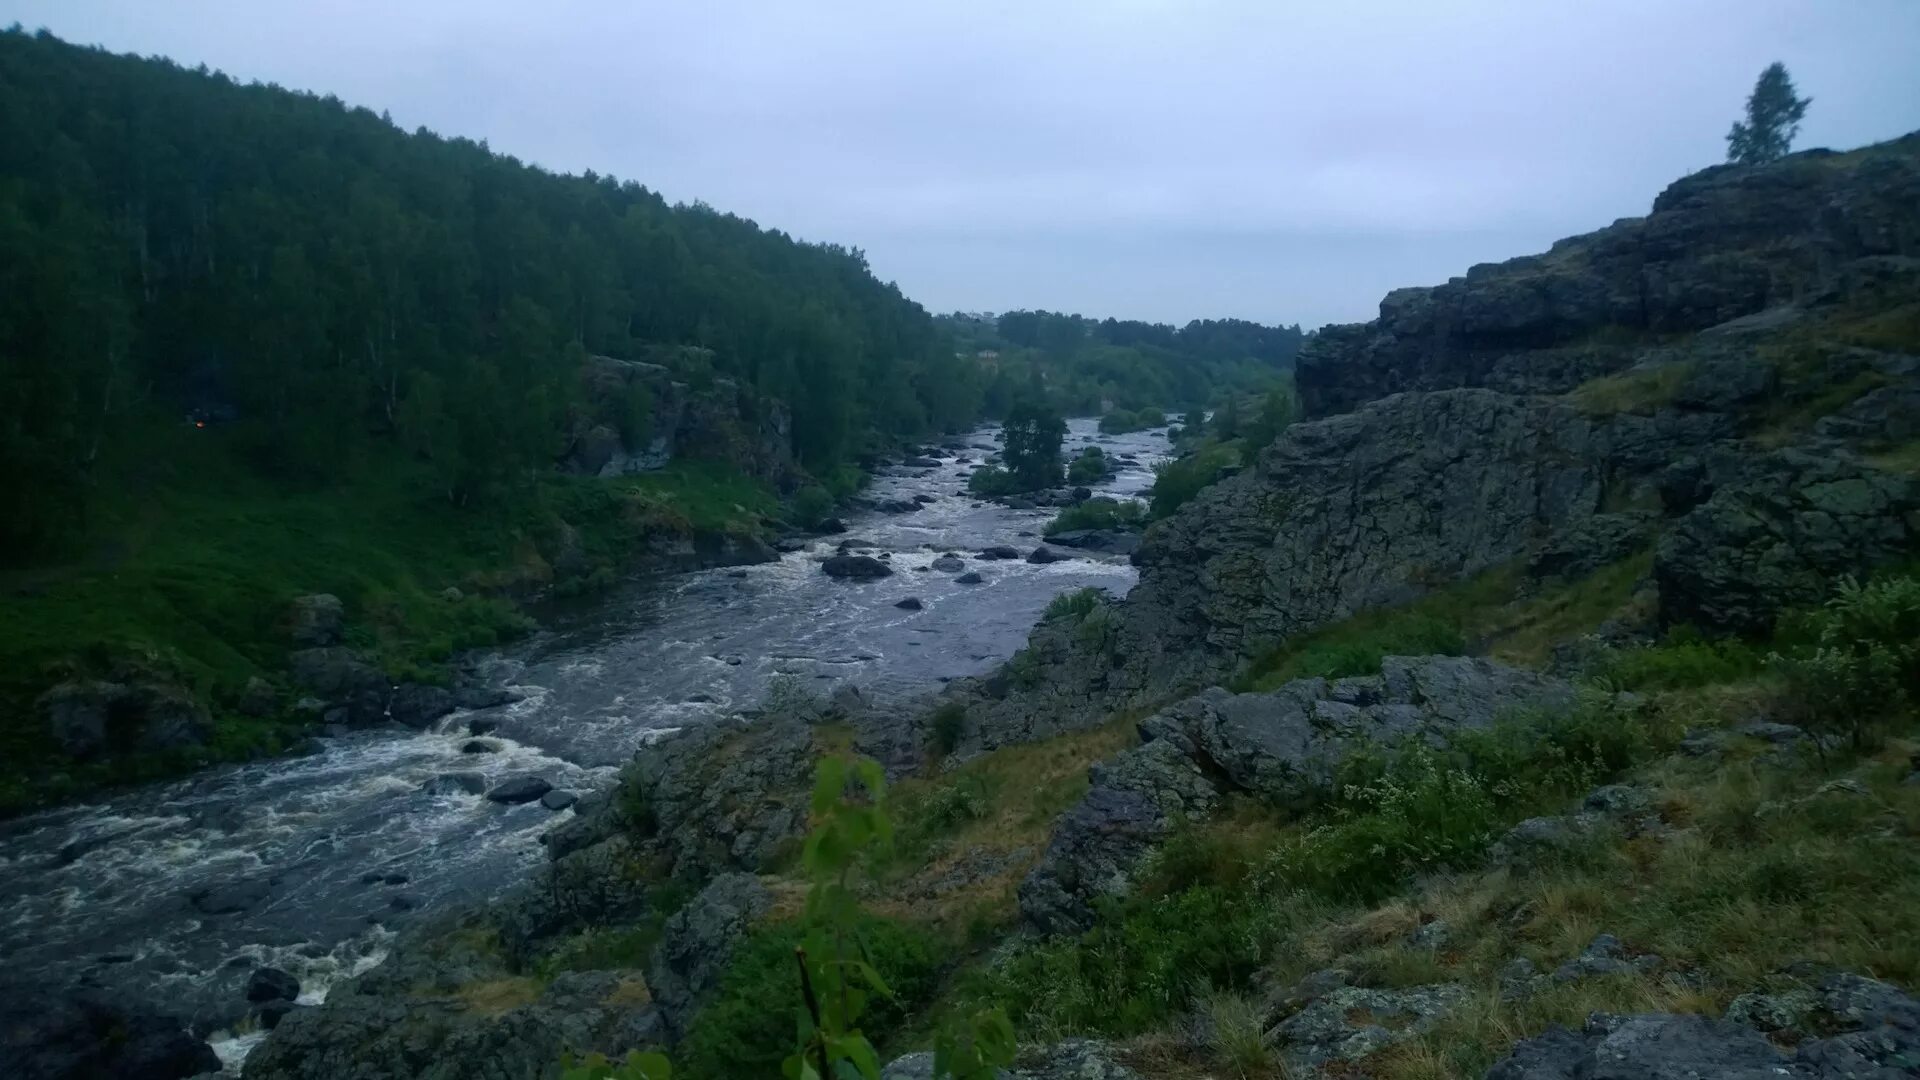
(1044, 555)
(858, 567)
(482, 725)
(479, 746)
(520, 789)
(911, 603)
(949, 564)
(456, 783)
(258, 698)
(89, 1034)
(896, 506)
(94, 717)
(969, 578)
(270, 984)
(558, 800)
(316, 619)
(231, 897)
(343, 679)
(921, 463)
(418, 706)
(999, 551)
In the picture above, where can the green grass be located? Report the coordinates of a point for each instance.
(1636, 390)
(1176, 482)
(1099, 512)
(190, 571)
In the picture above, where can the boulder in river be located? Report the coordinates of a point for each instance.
(558, 800)
(857, 567)
(832, 526)
(896, 506)
(949, 564)
(91, 1034)
(999, 551)
(417, 706)
(1042, 555)
(520, 789)
(971, 577)
(921, 463)
(479, 746)
(911, 603)
(271, 984)
(231, 897)
(1112, 541)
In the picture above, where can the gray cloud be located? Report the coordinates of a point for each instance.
(1162, 159)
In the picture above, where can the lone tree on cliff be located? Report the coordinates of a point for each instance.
(1773, 119)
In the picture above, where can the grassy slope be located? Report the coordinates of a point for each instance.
(193, 576)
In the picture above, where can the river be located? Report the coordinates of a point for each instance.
(342, 848)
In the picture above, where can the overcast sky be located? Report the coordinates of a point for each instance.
(1162, 159)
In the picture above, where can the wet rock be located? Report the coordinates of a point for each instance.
(698, 941)
(558, 800)
(847, 701)
(271, 984)
(1110, 541)
(270, 1013)
(85, 1035)
(317, 619)
(483, 697)
(911, 603)
(833, 526)
(418, 706)
(923, 499)
(456, 783)
(858, 567)
(896, 506)
(921, 463)
(999, 551)
(405, 902)
(479, 746)
(969, 578)
(949, 564)
(92, 717)
(343, 679)
(231, 897)
(1044, 555)
(521, 789)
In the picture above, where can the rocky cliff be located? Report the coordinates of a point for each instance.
(1724, 243)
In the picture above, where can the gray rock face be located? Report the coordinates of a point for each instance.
(1350, 1022)
(1871, 1031)
(94, 717)
(1720, 244)
(317, 619)
(418, 706)
(699, 940)
(724, 796)
(1111, 541)
(1277, 745)
(1781, 536)
(370, 1030)
(88, 1035)
(341, 678)
(456, 783)
(271, 984)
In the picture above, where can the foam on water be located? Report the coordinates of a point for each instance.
(102, 892)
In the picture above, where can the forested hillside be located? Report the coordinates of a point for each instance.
(1083, 365)
(327, 290)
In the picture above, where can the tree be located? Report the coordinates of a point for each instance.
(1773, 119)
(1032, 437)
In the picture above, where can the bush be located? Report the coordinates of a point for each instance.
(1863, 663)
(946, 727)
(747, 1029)
(1090, 466)
(1236, 1034)
(1075, 604)
(1098, 513)
(1683, 662)
(1355, 647)
(811, 505)
(1176, 482)
(991, 480)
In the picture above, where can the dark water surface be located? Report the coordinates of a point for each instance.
(102, 891)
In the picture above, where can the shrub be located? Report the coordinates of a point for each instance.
(747, 1029)
(1098, 513)
(811, 505)
(991, 480)
(1863, 663)
(1176, 482)
(1236, 1034)
(1356, 647)
(1683, 662)
(946, 727)
(1075, 604)
(1090, 466)
(1119, 422)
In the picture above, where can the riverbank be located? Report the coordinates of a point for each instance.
(186, 583)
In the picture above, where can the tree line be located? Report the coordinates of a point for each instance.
(328, 291)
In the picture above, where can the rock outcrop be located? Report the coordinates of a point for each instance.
(86, 1035)
(1724, 243)
(723, 421)
(1278, 745)
(698, 942)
